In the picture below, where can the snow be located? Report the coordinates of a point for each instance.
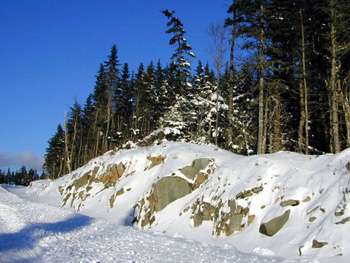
(36, 232)
(35, 228)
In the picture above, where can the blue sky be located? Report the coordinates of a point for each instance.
(50, 52)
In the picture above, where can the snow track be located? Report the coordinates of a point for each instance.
(36, 232)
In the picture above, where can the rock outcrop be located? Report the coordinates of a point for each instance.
(171, 188)
(79, 189)
(274, 225)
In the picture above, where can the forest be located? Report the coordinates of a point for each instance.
(291, 92)
(22, 176)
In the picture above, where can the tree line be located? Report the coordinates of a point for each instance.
(290, 92)
(22, 176)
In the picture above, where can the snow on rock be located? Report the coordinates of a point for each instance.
(36, 232)
(284, 204)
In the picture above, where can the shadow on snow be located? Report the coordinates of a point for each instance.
(27, 237)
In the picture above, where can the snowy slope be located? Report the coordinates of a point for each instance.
(35, 232)
(203, 193)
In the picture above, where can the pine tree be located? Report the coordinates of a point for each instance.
(180, 65)
(54, 157)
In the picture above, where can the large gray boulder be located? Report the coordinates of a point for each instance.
(271, 227)
(167, 190)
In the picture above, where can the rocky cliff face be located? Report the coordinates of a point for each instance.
(286, 201)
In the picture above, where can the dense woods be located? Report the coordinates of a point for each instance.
(292, 91)
(22, 176)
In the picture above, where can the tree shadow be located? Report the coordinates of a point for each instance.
(28, 236)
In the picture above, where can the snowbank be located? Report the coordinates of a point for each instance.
(283, 204)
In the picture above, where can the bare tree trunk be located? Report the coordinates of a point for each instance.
(217, 33)
(261, 124)
(304, 109)
(73, 144)
(61, 168)
(97, 133)
(265, 126)
(345, 102)
(106, 135)
(232, 82)
(333, 85)
(302, 120)
(277, 130)
(217, 112)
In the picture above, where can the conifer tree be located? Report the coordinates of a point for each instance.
(180, 60)
(54, 157)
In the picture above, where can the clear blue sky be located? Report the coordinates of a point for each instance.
(50, 52)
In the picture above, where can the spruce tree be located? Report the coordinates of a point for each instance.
(180, 65)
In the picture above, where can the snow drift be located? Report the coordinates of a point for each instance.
(283, 204)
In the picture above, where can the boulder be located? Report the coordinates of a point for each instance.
(163, 192)
(250, 192)
(167, 190)
(343, 221)
(318, 244)
(274, 225)
(197, 165)
(290, 202)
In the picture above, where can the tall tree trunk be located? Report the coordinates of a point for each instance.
(304, 109)
(333, 84)
(266, 113)
(277, 129)
(261, 124)
(109, 117)
(73, 143)
(66, 149)
(217, 109)
(97, 133)
(345, 102)
(302, 120)
(232, 81)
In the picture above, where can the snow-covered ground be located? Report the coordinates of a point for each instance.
(179, 202)
(36, 232)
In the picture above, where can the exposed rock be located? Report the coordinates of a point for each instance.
(251, 219)
(197, 165)
(318, 244)
(343, 221)
(114, 196)
(347, 166)
(169, 189)
(339, 213)
(249, 192)
(290, 202)
(312, 210)
(312, 219)
(202, 211)
(155, 161)
(271, 227)
(307, 199)
(229, 222)
(165, 191)
(78, 190)
(114, 172)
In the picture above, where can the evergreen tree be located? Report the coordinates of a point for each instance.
(54, 157)
(180, 66)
